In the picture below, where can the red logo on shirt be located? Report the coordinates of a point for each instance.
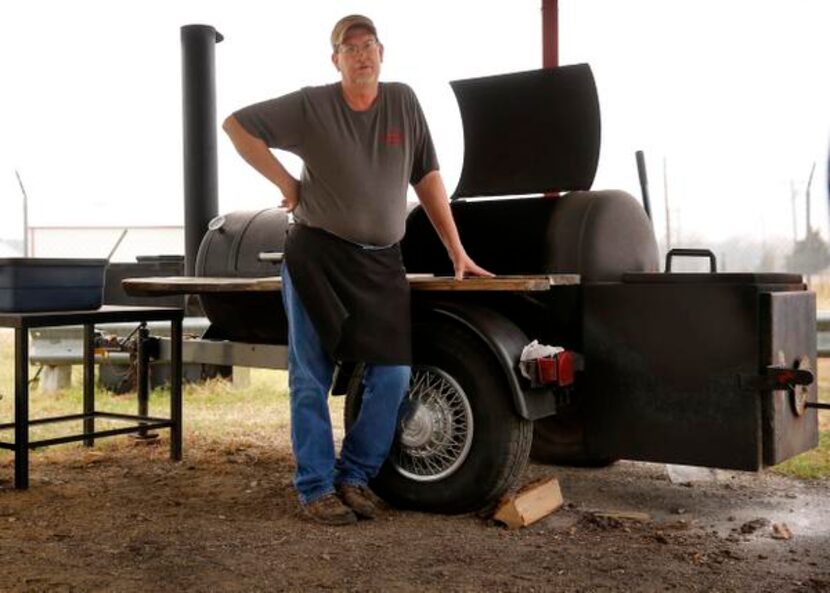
(393, 137)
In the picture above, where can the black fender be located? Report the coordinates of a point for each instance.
(506, 341)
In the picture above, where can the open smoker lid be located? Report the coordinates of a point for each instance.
(529, 132)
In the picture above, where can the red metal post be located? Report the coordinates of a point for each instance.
(550, 44)
(550, 33)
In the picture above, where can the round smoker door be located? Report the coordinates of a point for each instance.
(231, 249)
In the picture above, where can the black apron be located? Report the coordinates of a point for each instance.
(357, 298)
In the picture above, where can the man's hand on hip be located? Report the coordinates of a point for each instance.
(290, 195)
(257, 154)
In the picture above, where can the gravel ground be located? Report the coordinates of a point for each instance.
(226, 519)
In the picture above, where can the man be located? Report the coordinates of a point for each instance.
(344, 286)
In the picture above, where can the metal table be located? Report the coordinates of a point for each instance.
(23, 322)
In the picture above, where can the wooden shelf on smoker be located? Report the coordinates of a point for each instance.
(161, 286)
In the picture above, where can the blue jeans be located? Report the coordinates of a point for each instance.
(310, 374)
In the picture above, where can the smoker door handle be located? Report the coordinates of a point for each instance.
(786, 378)
(680, 252)
(777, 378)
(795, 382)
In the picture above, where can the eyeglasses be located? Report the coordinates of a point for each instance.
(347, 49)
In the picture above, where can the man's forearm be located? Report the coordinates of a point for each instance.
(433, 197)
(257, 154)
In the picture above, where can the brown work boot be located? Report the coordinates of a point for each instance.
(329, 510)
(358, 498)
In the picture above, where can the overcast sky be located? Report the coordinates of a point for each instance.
(734, 94)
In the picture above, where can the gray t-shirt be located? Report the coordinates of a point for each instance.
(357, 164)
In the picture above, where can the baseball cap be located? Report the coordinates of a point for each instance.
(347, 22)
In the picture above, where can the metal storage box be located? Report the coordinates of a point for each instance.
(677, 364)
(47, 284)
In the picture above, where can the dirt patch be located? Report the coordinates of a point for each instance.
(123, 518)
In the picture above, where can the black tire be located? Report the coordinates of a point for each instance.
(497, 440)
(559, 440)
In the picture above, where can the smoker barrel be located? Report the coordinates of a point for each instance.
(598, 235)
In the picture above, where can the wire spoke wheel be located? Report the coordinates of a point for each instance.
(460, 444)
(436, 431)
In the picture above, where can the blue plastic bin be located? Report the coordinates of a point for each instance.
(51, 284)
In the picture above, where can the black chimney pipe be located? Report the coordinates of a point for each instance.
(201, 180)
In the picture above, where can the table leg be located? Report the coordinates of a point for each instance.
(143, 375)
(21, 408)
(176, 389)
(89, 383)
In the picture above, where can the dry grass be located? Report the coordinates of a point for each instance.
(824, 392)
(821, 286)
(815, 463)
(216, 413)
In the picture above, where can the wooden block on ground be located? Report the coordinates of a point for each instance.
(534, 501)
(781, 531)
(625, 515)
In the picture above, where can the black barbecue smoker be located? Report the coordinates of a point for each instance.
(711, 369)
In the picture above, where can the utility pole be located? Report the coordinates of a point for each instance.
(807, 195)
(666, 202)
(793, 195)
(643, 174)
(25, 215)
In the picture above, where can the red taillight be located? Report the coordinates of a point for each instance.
(558, 369)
